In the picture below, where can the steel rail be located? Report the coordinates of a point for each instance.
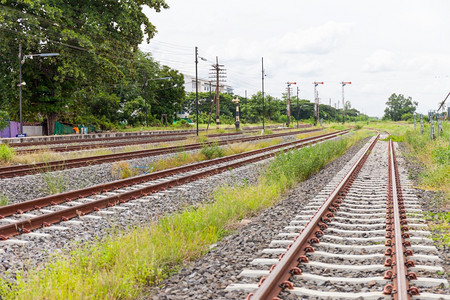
(37, 203)
(396, 232)
(278, 279)
(19, 170)
(98, 139)
(69, 148)
(128, 137)
(27, 225)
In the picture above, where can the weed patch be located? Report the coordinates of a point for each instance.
(122, 170)
(3, 200)
(439, 224)
(56, 183)
(6, 153)
(212, 151)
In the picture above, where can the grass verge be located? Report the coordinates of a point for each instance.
(123, 264)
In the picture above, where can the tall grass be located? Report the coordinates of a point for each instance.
(122, 265)
(6, 153)
(434, 156)
(56, 183)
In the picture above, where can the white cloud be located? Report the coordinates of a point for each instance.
(381, 61)
(315, 40)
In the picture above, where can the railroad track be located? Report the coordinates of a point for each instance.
(141, 140)
(65, 206)
(118, 141)
(20, 170)
(355, 240)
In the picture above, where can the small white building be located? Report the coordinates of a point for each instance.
(204, 85)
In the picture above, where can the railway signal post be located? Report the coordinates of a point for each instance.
(344, 83)
(237, 111)
(316, 102)
(288, 102)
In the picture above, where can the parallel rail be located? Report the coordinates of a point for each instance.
(142, 140)
(278, 278)
(397, 233)
(27, 225)
(20, 170)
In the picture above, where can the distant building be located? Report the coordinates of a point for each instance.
(204, 85)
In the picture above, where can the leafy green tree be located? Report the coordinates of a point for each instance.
(93, 37)
(4, 120)
(397, 106)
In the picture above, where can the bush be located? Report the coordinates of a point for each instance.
(181, 124)
(6, 153)
(212, 151)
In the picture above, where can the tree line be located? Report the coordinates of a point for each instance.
(101, 77)
(251, 109)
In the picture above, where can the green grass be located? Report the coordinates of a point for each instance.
(56, 183)
(123, 264)
(439, 224)
(3, 200)
(432, 155)
(6, 153)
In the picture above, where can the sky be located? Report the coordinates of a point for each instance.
(381, 47)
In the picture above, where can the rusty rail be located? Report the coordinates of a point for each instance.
(278, 279)
(143, 140)
(20, 170)
(27, 225)
(396, 234)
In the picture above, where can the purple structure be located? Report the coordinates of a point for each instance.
(11, 131)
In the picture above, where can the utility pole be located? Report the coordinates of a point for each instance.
(246, 108)
(298, 107)
(335, 112)
(262, 80)
(196, 85)
(219, 74)
(145, 98)
(20, 88)
(316, 102)
(211, 101)
(344, 83)
(288, 103)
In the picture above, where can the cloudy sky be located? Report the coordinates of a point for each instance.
(382, 47)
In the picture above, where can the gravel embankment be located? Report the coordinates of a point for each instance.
(33, 186)
(16, 256)
(207, 277)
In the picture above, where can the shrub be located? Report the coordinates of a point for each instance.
(6, 153)
(212, 151)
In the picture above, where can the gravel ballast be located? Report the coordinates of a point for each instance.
(208, 277)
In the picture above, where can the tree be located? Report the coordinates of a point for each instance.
(93, 38)
(397, 106)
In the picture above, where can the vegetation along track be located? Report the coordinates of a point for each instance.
(20, 170)
(121, 191)
(355, 240)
